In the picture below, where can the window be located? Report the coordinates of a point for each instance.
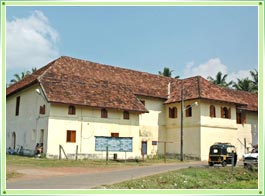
(188, 111)
(71, 136)
(225, 112)
(240, 117)
(42, 109)
(173, 112)
(126, 115)
(71, 110)
(17, 105)
(114, 134)
(104, 113)
(212, 111)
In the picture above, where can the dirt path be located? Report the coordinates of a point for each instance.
(27, 173)
(87, 178)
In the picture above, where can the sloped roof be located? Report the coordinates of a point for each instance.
(198, 87)
(74, 81)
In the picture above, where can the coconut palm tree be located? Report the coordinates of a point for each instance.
(220, 80)
(244, 84)
(18, 77)
(167, 72)
(21, 76)
(255, 78)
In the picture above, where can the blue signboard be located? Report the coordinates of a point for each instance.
(116, 144)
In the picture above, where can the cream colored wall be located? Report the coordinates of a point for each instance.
(88, 123)
(201, 131)
(152, 125)
(224, 130)
(28, 119)
(191, 130)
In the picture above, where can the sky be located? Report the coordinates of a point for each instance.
(194, 40)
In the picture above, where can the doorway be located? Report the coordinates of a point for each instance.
(144, 148)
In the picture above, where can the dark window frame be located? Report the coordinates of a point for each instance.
(104, 113)
(71, 110)
(17, 105)
(241, 117)
(126, 115)
(173, 112)
(225, 112)
(212, 111)
(42, 109)
(188, 111)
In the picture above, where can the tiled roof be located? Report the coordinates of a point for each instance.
(198, 87)
(74, 81)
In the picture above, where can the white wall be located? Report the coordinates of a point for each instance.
(87, 123)
(152, 125)
(191, 130)
(28, 119)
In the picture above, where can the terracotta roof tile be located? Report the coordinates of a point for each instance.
(198, 87)
(73, 81)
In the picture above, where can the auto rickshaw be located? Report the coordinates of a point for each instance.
(222, 153)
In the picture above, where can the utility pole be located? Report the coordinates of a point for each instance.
(181, 123)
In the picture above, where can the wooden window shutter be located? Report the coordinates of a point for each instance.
(170, 112)
(42, 109)
(244, 119)
(229, 113)
(212, 111)
(126, 115)
(71, 110)
(104, 113)
(175, 112)
(238, 118)
(71, 136)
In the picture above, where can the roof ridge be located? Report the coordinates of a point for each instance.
(120, 68)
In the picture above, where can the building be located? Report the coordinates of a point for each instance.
(81, 105)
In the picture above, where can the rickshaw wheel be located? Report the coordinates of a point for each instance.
(224, 163)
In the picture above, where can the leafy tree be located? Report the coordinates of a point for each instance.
(167, 72)
(18, 77)
(255, 78)
(220, 80)
(244, 84)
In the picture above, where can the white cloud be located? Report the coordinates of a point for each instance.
(211, 68)
(239, 74)
(30, 42)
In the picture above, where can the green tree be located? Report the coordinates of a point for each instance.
(167, 72)
(254, 74)
(18, 77)
(244, 84)
(220, 80)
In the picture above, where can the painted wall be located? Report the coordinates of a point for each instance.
(87, 123)
(201, 131)
(29, 125)
(217, 129)
(152, 125)
(191, 130)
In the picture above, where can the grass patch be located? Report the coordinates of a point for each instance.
(195, 178)
(12, 174)
(32, 162)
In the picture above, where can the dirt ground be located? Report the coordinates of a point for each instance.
(35, 173)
